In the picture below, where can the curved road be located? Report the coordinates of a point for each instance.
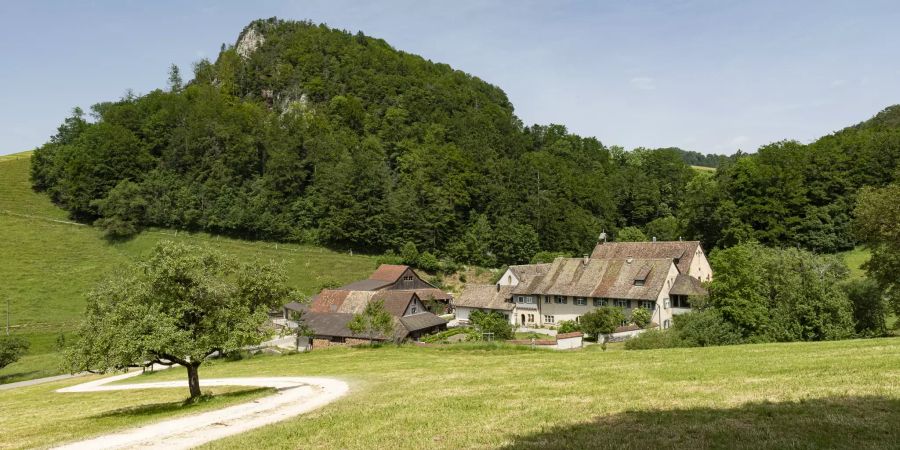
(295, 395)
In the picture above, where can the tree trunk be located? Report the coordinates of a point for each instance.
(193, 380)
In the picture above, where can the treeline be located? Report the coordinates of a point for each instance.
(316, 135)
(708, 160)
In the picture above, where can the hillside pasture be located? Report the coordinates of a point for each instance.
(49, 264)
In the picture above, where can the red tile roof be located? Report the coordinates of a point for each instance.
(388, 272)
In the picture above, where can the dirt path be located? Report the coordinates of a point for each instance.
(296, 395)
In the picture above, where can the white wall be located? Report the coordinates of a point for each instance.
(700, 268)
(508, 279)
(572, 342)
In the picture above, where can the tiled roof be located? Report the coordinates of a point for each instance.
(421, 321)
(486, 296)
(431, 294)
(365, 285)
(526, 272)
(682, 250)
(687, 285)
(388, 272)
(606, 278)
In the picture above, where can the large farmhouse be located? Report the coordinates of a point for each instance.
(658, 276)
(402, 292)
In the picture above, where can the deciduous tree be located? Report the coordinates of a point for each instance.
(181, 305)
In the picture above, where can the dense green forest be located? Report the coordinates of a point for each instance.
(308, 134)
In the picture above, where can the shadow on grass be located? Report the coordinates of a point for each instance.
(18, 376)
(836, 422)
(169, 407)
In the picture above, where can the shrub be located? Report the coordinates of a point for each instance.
(547, 257)
(443, 335)
(389, 257)
(630, 234)
(869, 306)
(705, 328)
(492, 322)
(409, 254)
(601, 321)
(640, 317)
(651, 339)
(568, 326)
(428, 262)
(11, 349)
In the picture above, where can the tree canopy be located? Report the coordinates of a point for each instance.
(322, 136)
(181, 305)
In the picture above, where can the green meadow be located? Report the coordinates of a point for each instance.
(843, 394)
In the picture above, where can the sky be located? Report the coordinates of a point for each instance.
(708, 76)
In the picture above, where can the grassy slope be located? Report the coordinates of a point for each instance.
(48, 266)
(803, 395)
(855, 259)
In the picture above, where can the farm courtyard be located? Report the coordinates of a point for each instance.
(842, 394)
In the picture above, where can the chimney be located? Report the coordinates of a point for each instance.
(654, 238)
(629, 260)
(498, 287)
(585, 259)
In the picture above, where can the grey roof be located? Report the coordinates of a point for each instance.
(526, 272)
(421, 321)
(683, 251)
(606, 278)
(329, 324)
(687, 285)
(486, 296)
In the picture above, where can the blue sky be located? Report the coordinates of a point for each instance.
(710, 76)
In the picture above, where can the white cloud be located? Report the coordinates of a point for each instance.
(642, 83)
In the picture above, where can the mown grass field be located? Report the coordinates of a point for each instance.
(842, 394)
(48, 265)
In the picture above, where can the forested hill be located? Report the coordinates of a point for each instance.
(304, 133)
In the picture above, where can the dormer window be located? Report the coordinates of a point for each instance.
(641, 276)
(407, 278)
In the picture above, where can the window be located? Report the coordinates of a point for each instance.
(638, 282)
(531, 318)
(623, 303)
(561, 300)
(680, 301)
(529, 300)
(546, 299)
(599, 302)
(520, 299)
(580, 301)
(577, 319)
(667, 323)
(624, 323)
(548, 319)
(407, 278)
(509, 279)
(337, 339)
(647, 304)
(414, 309)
